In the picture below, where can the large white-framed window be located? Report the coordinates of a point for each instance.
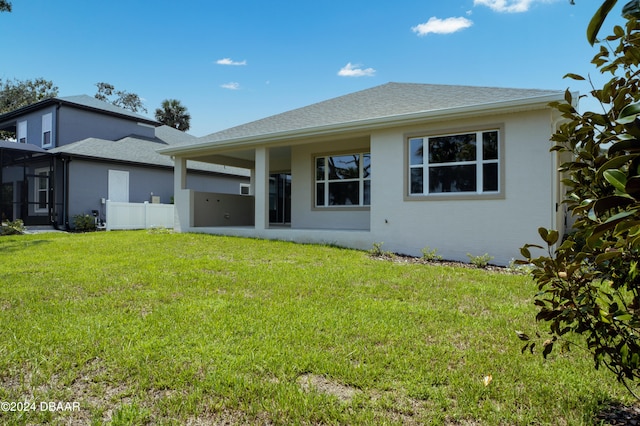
(47, 126)
(21, 135)
(463, 163)
(41, 190)
(343, 180)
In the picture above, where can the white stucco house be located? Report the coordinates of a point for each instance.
(459, 169)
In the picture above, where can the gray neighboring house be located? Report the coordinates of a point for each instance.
(71, 154)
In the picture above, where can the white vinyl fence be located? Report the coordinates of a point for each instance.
(138, 215)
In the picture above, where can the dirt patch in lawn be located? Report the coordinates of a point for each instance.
(321, 384)
(228, 418)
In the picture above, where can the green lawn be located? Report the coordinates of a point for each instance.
(160, 328)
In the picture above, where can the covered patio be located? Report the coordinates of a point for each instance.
(279, 202)
(27, 184)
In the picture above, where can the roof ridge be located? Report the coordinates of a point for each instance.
(154, 139)
(388, 100)
(463, 85)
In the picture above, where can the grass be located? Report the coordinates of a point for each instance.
(157, 328)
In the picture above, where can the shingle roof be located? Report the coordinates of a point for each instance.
(131, 149)
(387, 100)
(171, 136)
(142, 151)
(21, 147)
(81, 101)
(93, 103)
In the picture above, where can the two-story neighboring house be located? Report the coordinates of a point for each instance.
(71, 154)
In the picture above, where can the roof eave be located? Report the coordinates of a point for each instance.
(58, 101)
(539, 102)
(27, 108)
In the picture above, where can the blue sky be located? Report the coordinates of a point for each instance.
(230, 62)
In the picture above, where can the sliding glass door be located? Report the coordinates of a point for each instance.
(280, 198)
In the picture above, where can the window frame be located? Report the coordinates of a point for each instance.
(38, 190)
(479, 162)
(47, 128)
(22, 132)
(361, 180)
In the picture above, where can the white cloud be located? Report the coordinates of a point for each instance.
(509, 6)
(229, 61)
(351, 70)
(231, 85)
(442, 26)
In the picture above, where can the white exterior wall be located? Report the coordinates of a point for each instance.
(456, 227)
(303, 212)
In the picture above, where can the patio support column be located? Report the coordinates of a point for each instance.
(261, 189)
(179, 174)
(183, 206)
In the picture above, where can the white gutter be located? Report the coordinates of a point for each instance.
(366, 124)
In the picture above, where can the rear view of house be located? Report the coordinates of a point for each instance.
(456, 168)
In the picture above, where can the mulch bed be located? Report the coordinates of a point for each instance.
(620, 415)
(403, 258)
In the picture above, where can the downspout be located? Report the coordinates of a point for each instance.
(65, 172)
(58, 216)
(53, 175)
(52, 190)
(24, 201)
(65, 196)
(557, 223)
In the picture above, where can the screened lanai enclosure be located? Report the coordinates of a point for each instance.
(28, 178)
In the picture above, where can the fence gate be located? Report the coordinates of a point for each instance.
(138, 215)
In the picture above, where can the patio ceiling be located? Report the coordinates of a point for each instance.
(246, 158)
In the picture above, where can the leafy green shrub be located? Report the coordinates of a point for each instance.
(84, 223)
(480, 261)
(376, 251)
(590, 282)
(430, 255)
(12, 227)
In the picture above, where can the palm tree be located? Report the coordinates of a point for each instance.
(174, 114)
